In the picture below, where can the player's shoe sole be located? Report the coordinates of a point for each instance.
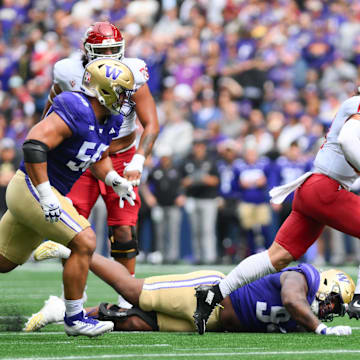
(207, 298)
(50, 250)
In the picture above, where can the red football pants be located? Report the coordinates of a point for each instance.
(87, 189)
(319, 201)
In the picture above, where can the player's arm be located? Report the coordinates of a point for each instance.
(44, 136)
(147, 115)
(293, 295)
(294, 289)
(103, 170)
(102, 167)
(349, 140)
(55, 90)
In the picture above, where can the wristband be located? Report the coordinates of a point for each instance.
(137, 162)
(44, 189)
(321, 329)
(110, 177)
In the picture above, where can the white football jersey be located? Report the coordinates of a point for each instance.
(330, 159)
(68, 75)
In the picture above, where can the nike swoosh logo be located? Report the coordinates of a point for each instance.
(356, 304)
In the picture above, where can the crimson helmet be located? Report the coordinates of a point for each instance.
(100, 37)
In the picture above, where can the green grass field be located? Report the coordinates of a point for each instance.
(23, 292)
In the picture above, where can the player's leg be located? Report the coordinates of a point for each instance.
(122, 229)
(341, 210)
(118, 277)
(173, 295)
(73, 231)
(108, 270)
(6, 265)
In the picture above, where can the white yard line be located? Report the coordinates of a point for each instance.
(174, 355)
(122, 345)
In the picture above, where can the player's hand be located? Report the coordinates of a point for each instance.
(134, 169)
(340, 330)
(49, 202)
(122, 187)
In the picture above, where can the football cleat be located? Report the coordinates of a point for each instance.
(207, 298)
(353, 309)
(53, 311)
(50, 250)
(79, 324)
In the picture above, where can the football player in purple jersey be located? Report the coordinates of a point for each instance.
(74, 136)
(296, 299)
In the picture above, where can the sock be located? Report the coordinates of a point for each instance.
(73, 307)
(252, 268)
(84, 297)
(124, 303)
(357, 289)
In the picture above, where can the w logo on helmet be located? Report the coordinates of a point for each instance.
(342, 277)
(112, 72)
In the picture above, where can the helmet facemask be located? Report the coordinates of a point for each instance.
(98, 51)
(103, 40)
(335, 291)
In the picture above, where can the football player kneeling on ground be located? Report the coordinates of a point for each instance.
(298, 298)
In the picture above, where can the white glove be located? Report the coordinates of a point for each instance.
(122, 187)
(335, 330)
(49, 202)
(136, 164)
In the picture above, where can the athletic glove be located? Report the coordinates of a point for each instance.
(122, 187)
(340, 330)
(136, 164)
(49, 202)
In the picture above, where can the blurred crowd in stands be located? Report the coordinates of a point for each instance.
(245, 90)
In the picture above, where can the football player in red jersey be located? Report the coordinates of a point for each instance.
(104, 40)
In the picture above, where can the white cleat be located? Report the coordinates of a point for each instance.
(53, 311)
(50, 250)
(79, 324)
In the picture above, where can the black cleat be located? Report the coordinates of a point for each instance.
(353, 309)
(207, 298)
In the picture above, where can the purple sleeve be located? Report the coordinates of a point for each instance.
(74, 109)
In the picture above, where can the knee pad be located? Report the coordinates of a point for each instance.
(127, 250)
(113, 313)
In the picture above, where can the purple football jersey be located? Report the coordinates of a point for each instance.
(89, 140)
(259, 304)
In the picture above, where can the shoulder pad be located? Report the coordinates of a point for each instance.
(68, 74)
(139, 69)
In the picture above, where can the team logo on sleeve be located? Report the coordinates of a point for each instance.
(145, 73)
(87, 78)
(112, 72)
